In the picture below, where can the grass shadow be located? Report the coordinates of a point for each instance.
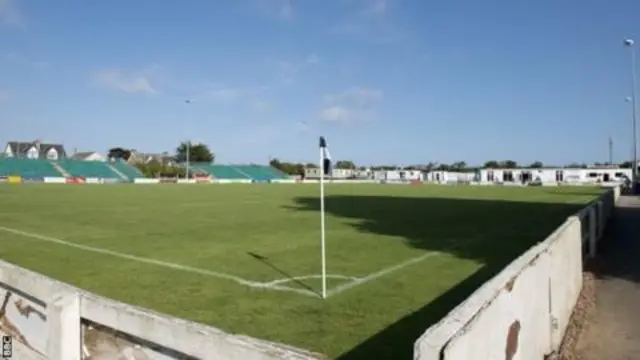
(266, 261)
(619, 249)
(500, 231)
(396, 341)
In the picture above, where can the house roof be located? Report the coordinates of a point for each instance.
(20, 148)
(83, 155)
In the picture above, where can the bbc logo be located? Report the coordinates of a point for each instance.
(7, 347)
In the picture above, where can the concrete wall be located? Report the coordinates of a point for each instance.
(48, 319)
(522, 313)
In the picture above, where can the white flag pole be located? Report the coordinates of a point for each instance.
(322, 232)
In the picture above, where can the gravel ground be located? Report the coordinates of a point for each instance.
(609, 309)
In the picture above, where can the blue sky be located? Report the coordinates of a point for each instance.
(386, 81)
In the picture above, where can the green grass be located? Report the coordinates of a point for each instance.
(470, 232)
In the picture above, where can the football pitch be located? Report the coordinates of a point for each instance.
(246, 258)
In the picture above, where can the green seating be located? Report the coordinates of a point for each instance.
(235, 172)
(27, 168)
(88, 169)
(277, 173)
(221, 171)
(259, 172)
(127, 170)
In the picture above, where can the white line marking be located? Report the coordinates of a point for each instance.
(237, 279)
(365, 279)
(295, 278)
(388, 270)
(136, 207)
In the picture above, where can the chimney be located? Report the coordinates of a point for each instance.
(37, 143)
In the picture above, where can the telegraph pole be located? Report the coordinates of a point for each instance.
(610, 151)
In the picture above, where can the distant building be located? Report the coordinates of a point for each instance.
(34, 150)
(145, 158)
(89, 156)
(558, 175)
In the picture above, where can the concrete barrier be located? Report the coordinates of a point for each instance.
(48, 319)
(283, 181)
(523, 312)
(146, 181)
(55, 180)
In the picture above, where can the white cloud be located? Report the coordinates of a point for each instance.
(20, 59)
(344, 115)
(10, 15)
(377, 6)
(372, 21)
(260, 134)
(129, 82)
(282, 9)
(288, 71)
(4, 97)
(225, 94)
(261, 106)
(354, 105)
(249, 95)
(358, 96)
(312, 59)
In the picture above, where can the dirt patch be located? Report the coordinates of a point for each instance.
(580, 316)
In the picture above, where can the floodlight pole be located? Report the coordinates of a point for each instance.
(634, 176)
(188, 144)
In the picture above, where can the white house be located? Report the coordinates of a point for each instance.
(558, 175)
(314, 173)
(403, 175)
(450, 176)
(34, 150)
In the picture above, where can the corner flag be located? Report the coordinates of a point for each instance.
(325, 169)
(325, 156)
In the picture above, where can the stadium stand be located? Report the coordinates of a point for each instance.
(97, 169)
(253, 172)
(220, 171)
(127, 170)
(40, 168)
(27, 168)
(260, 173)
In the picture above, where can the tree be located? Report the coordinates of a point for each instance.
(429, 166)
(286, 167)
(155, 168)
(345, 164)
(458, 165)
(119, 153)
(491, 164)
(275, 163)
(626, 165)
(509, 164)
(197, 153)
(536, 165)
